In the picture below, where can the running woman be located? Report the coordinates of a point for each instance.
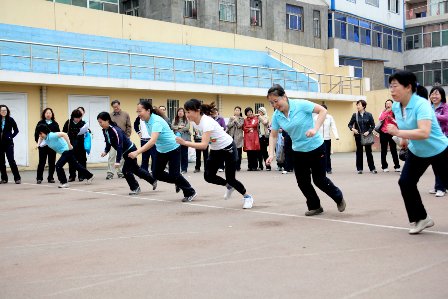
(168, 151)
(117, 139)
(60, 143)
(222, 149)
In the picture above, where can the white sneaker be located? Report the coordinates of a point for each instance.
(135, 192)
(89, 181)
(432, 191)
(228, 193)
(220, 170)
(385, 170)
(397, 170)
(248, 202)
(284, 172)
(66, 185)
(421, 225)
(440, 193)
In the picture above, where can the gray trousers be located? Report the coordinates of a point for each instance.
(111, 162)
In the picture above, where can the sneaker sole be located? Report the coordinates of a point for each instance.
(430, 224)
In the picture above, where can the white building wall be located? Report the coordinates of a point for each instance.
(379, 14)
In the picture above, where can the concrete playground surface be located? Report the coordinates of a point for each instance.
(95, 241)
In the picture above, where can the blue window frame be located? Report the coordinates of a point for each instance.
(294, 17)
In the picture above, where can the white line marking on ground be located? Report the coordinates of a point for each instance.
(319, 218)
(393, 280)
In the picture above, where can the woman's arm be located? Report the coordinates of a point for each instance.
(14, 128)
(147, 146)
(271, 150)
(197, 145)
(422, 132)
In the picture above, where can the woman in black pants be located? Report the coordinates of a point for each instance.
(47, 119)
(116, 138)
(73, 127)
(222, 149)
(8, 130)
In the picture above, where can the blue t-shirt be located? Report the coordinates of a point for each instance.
(417, 109)
(167, 140)
(299, 120)
(56, 143)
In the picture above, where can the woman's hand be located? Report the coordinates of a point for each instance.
(103, 154)
(355, 131)
(269, 160)
(133, 155)
(180, 141)
(392, 129)
(366, 133)
(310, 133)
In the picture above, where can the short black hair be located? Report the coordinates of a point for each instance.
(42, 116)
(76, 114)
(441, 91)
(422, 92)
(43, 129)
(276, 90)
(405, 78)
(247, 110)
(115, 102)
(363, 103)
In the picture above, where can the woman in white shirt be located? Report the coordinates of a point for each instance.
(222, 149)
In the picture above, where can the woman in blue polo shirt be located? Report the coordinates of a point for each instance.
(168, 151)
(115, 138)
(426, 143)
(308, 149)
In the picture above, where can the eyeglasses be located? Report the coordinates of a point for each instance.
(275, 101)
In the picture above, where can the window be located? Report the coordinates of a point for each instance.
(294, 17)
(227, 10)
(356, 63)
(106, 5)
(316, 23)
(255, 12)
(392, 5)
(365, 30)
(171, 108)
(353, 29)
(430, 73)
(373, 2)
(438, 7)
(387, 73)
(131, 7)
(340, 26)
(190, 9)
(258, 105)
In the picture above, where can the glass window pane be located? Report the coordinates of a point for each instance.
(436, 39)
(429, 80)
(358, 72)
(445, 77)
(445, 38)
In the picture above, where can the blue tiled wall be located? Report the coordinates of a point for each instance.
(142, 67)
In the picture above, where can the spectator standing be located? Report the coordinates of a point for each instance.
(220, 120)
(438, 100)
(263, 131)
(235, 130)
(75, 128)
(325, 130)
(142, 131)
(123, 121)
(197, 136)
(181, 128)
(362, 123)
(388, 117)
(251, 139)
(8, 130)
(47, 119)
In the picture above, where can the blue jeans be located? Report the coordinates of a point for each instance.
(174, 176)
(413, 169)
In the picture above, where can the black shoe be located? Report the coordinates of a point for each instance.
(268, 168)
(197, 170)
(51, 181)
(39, 182)
(18, 182)
(314, 212)
(71, 179)
(359, 171)
(189, 198)
(374, 171)
(3, 182)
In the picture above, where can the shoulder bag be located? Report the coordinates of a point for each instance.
(365, 140)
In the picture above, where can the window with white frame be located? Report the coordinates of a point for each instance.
(316, 23)
(255, 12)
(373, 2)
(190, 9)
(227, 10)
(392, 5)
(294, 17)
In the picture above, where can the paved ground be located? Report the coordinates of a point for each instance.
(97, 242)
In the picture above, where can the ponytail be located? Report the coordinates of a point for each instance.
(196, 105)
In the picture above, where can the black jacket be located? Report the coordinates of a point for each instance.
(72, 131)
(366, 123)
(118, 140)
(9, 131)
(54, 127)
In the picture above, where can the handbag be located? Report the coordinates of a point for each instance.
(88, 142)
(403, 154)
(365, 140)
(379, 125)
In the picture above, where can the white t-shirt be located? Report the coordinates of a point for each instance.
(144, 130)
(219, 139)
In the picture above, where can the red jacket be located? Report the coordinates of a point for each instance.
(388, 117)
(251, 141)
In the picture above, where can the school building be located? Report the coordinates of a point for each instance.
(63, 56)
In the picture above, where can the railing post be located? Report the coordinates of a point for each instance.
(130, 65)
(107, 62)
(213, 74)
(154, 66)
(194, 70)
(84, 63)
(59, 60)
(174, 71)
(31, 57)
